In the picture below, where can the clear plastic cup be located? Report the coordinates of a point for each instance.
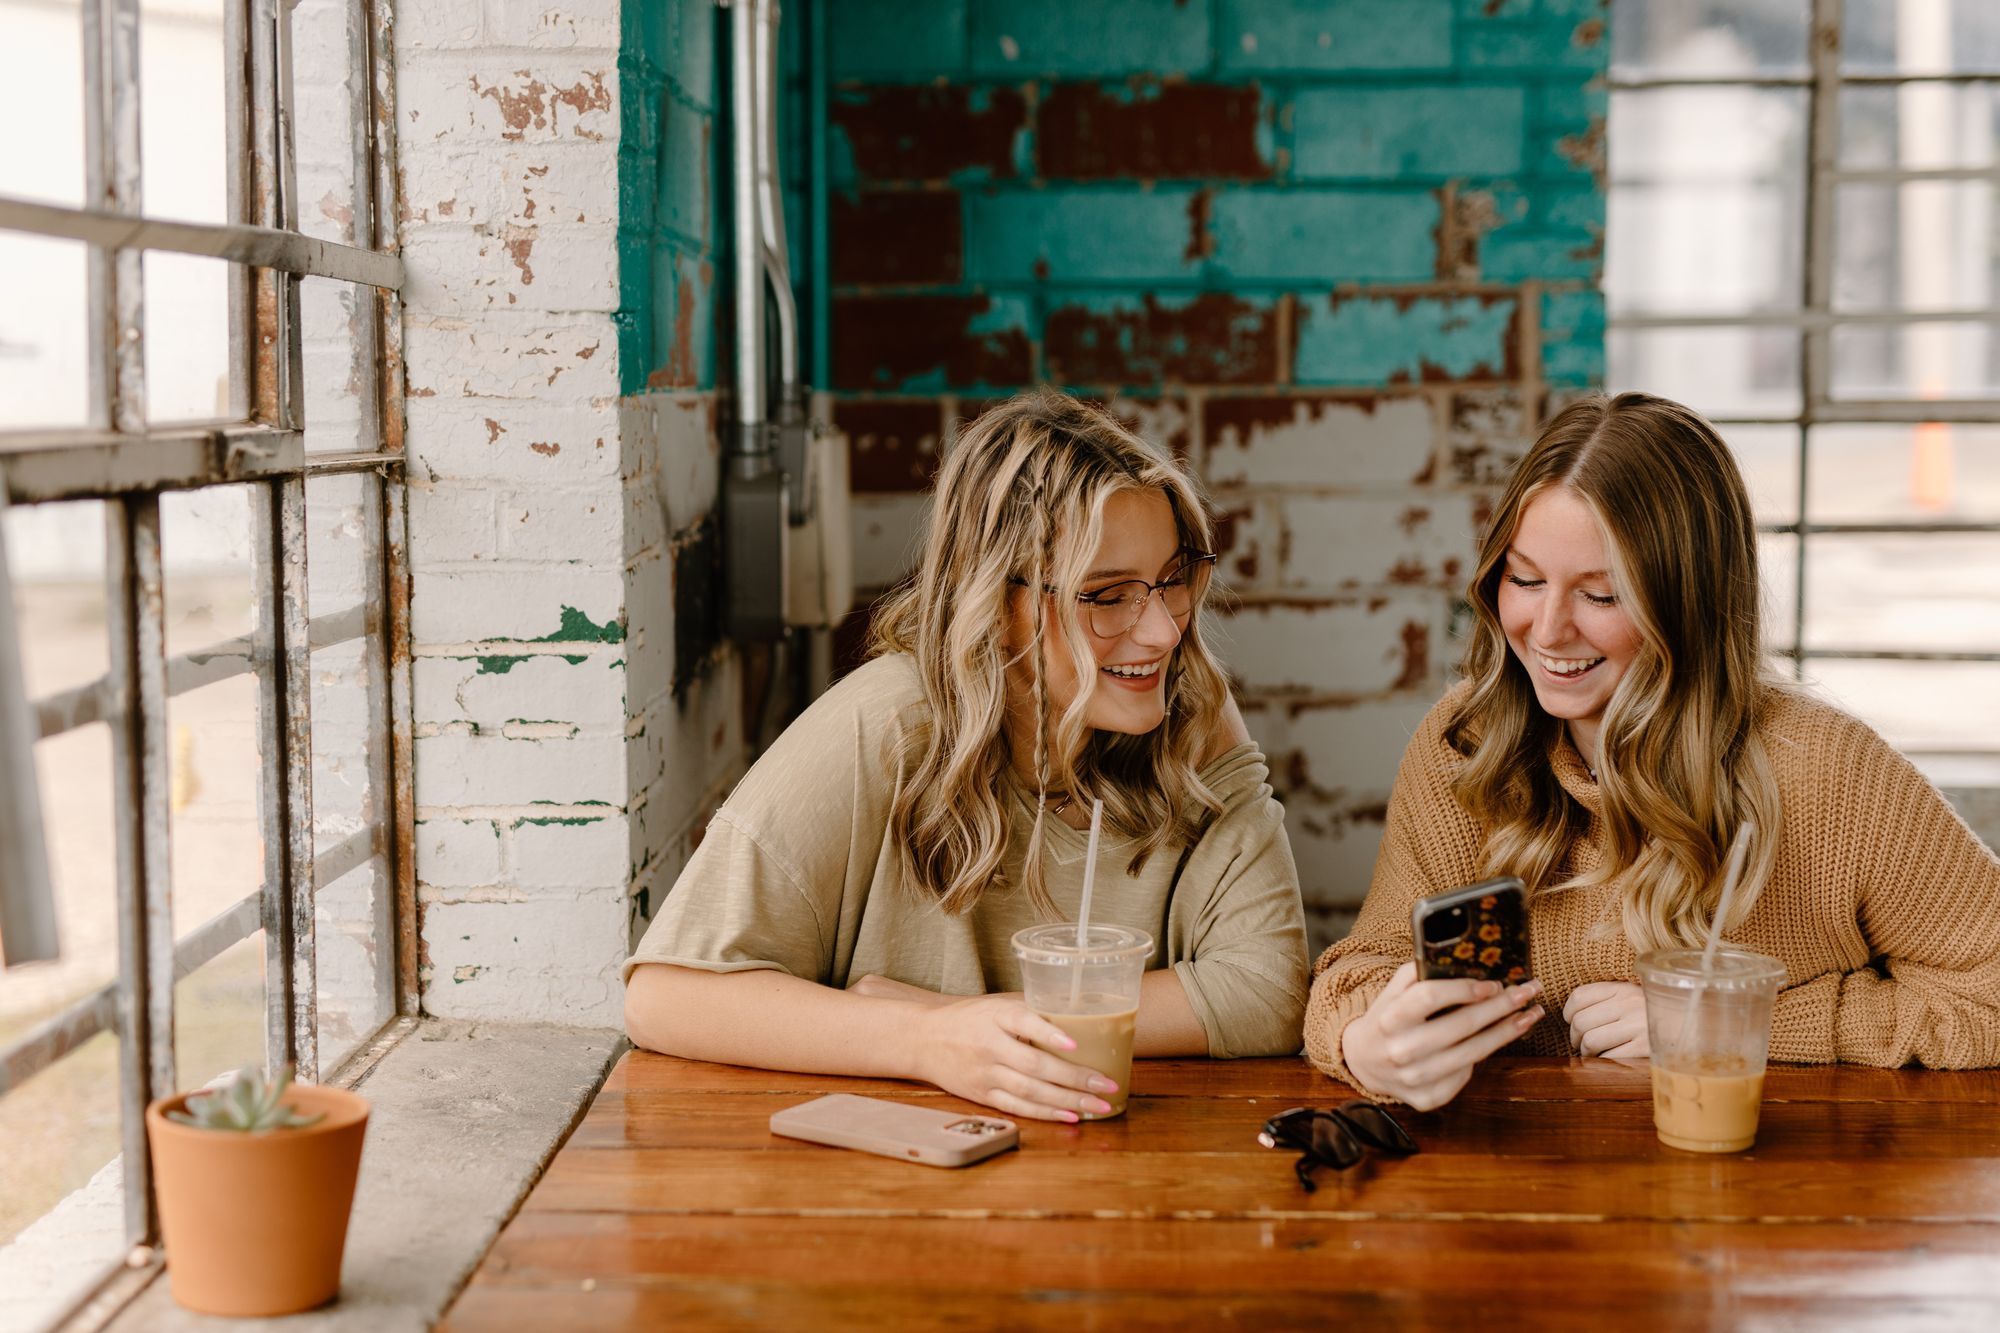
(1090, 992)
(1710, 1033)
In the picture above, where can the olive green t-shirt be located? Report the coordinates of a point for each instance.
(797, 873)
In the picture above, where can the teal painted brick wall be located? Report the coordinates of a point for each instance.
(1342, 256)
(672, 155)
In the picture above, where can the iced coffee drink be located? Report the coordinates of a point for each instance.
(1091, 992)
(1710, 1030)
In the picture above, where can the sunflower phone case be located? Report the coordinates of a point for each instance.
(894, 1129)
(1479, 931)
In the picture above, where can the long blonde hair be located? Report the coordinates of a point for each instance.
(1680, 764)
(1020, 501)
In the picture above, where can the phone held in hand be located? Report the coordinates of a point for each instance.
(1479, 931)
(893, 1129)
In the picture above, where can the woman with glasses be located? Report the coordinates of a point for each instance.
(851, 906)
(1618, 721)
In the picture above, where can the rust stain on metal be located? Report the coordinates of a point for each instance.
(1149, 130)
(264, 375)
(1201, 241)
(931, 133)
(1217, 338)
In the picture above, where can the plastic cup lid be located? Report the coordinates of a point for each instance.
(1733, 969)
(1056, 943)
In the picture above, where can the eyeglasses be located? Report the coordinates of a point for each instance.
(1334, 1138)
(1110, 613)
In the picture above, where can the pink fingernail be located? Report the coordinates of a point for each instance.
(1069, 1117)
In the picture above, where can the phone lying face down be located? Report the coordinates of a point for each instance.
(1479, 931)
(892, 1129)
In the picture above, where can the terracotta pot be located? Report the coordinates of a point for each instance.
(254, 1224)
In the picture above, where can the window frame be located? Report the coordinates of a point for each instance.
(1815, 321)
(118, 458)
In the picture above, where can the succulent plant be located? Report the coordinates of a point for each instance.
(248, 1105)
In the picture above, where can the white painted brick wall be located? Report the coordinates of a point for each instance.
(535, 492)
(1384, 441)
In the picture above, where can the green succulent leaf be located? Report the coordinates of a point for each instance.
(248, 1105)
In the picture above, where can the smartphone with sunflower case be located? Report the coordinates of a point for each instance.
(1479, 931)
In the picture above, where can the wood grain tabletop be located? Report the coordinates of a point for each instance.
(1539, 1197)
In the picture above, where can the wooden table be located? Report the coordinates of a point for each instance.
(1540, 1199)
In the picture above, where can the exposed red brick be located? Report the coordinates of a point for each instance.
(1416, 656)
(1217, 338)
(892, 444)
(896, 236)
(1150, 131)
(883, 342)
(1201, 241)
(901, 133)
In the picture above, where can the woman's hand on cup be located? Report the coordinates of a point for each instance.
(1608, 1018)
(1408, 1047)
(979, 1049)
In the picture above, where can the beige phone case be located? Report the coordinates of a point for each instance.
(892, 1129)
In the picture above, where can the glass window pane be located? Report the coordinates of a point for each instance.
(1708, 37)
(1901, 473)
(1904, 592)
(1778, 568)
(339, 376)
(182, 131)
(1920, 245)
(1769, 458)
(1919, 126)
(61, 1204)
(1920, 36)
(1720, 372)
(356, 900)
(44, 331)
(1945, 359)
(1922, 707)
(213, 792)
(187, 337)
(1707, 200)
(322, 75)
(41, 63)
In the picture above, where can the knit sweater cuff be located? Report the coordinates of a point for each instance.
(1327, 1017)
(1802, 1025)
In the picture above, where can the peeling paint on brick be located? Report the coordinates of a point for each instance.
(919, 133)
(577, 627)
(925, 342)
(1144, 129)
(1213, 338)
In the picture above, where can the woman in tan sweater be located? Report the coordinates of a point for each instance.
(850, 908)
(1617, 722)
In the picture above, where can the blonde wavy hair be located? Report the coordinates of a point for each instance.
(1680, 764)
(1019, 504)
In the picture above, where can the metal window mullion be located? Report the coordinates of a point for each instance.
(112, 183)
(1815, 359)
(136, 605)
(401, 745)
(282, 649)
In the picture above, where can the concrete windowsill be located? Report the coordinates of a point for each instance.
(464, 1118)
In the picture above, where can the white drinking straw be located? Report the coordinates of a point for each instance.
(1083, 908)
(1739, 851)
(1732, 875)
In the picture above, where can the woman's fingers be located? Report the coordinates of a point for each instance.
(1446, 1030)
(1606, 1037)
(1001, 1100)
(1475, 1048)
(1061, 1101)
(1018, 1020)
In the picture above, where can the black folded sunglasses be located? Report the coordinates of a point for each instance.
(1334, 1138)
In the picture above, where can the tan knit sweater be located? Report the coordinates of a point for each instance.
(1883, 905)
